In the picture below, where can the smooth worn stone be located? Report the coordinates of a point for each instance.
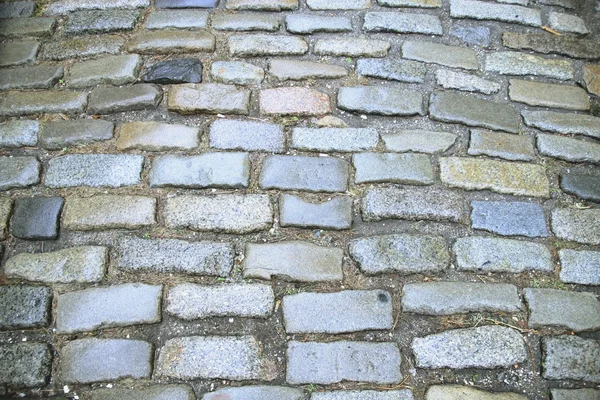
(246, 22)
(380, 100)
(551, 44)
(516, 63)
(332, 214)
(24, 307)
(6, 204)
(262, 5)
(38, 77)
(18, 53)
(189, 301)
(447, 298)
(402, 22)
(25, 364)
(256, 393)
(582, 267)
(72, 265)
(15, 104)
(576, 311)
(178, 19)
(312, 23)
(17, 9)
(257, 45)
(405, 254)
(31, 27)
(548, 95)
(174, 256)
(235, 358)
(575, 394)
(247, 136)
(231, 213)
(466, 82)
(473, 35)
(94, 170)
(106, 307)
(299, 70)
(498, 176)
(571, 357)
(80, 47)
(583, 186)
(591, 77)
(171, 41)
(67, 6)
(455, 392)
(568, 149)
(327, 363)
(157, 136)
(352, 47)
(496, 12)
(410, 169)
(311, 174)
(329, 121)
(341, 312)
(401, 394)
(449, 56)
(503, 145)
(509, 218)
(473, 111)
(421, 141)
(112, 70)
(565, 123)
(36, 218)
(109, 100)
(217, 170)
(182, 70)
(327, 140)
(19, 172)
(235, 72)
(101, 21)
(57, 135)
(564, 22)
(99, 360)
(17, 133)
(490, 254)
(579, 226)
(109, 212)
(485, 347)
(295, 260)
(154, 392)
(392, 69)
(293, 101)
(338, 4)
(211, 98)
(186, 3)
(569, 4)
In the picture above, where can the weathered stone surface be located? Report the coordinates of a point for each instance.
(411, 169)
(262, 5)
(483, 347)
(300, 70)
(179, 19)
(581, 266)
(331, 214)
(392, 69)
(94, 170)
(190, 301)
(31, 27)
(551, 44)
(516, 63)
(405, 254)
(401, 394)
(563, 123)
(211, 98)
(36, 218)
(312, 23)
(584, 186)
(232, 213)
(576, 311)
(502, 145)
(498, 176)
(182, 70)
(257, 393)
(466, 82)
(101, 21)
(57, 135)
(568, 149)
(334, 139)
(6, 204)
(108, 100)
(338, 4)
(235, 358)
(293, 101)
(312, 174)
(247, 135)
(489, 254)
(447, 298)
(246, 22)
(85, 46)
(17, 9)
(455, 392)
(473, 35)
(96, 360)
(174, 256)
(472, 111)
(380, 100)
(564, 22)
(19, 133)
(402, 23)
(591, 77)
(450, 56)
(327, 363)
(18, 53)
(38, 77)
(171, 41)
(186, 3)
(24, 307)
(112, 70)
(109, 212)
(421, 141)
(571, 357)
(494, 11)
(157, 136)
(266, 45)
(25, 364)
(576, 225)
(298, 261)
(71, 265)
(19, 172)
(235, 72)
(67, 6)
(352, 47)
(509, 218)
(576, 394)
(26, 103)
(154, 392)
(548, 95)
(340, 312)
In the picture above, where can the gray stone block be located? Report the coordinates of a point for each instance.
(154, 392)
(352, 47)
(402, 22)
(101, 21)
(449, 56)
(410, 169)
(571, 357)
(24, 307)
(581, 185)
(516, 63)
(335, 213)
(38, 77)
(157, 136)
(179, 19)
(85, 46)
(380, 100)
(94, 170)
(456, 392)
(19, 172)
(494, 11)
(108, 100)
(299, 70)
(575, 394)
(25, 364)
(237, 73)
(338, 4)
(247, 135)
(57, 135)
(503, 145)
(513, 218)
(171, 41)
(19, 133)
(30, 27)
(211, 98)
(449, 79)
(548, 95)
(258, 45)
(246, 22)
(111, 70)
(568, 149)
(565, 123)
(401, 394)
(421, 141)
(579, 226)
(18, 53)
(582, 267)
(313, 23)
(17, 9)
(6, 205)
(262, 5)
(16, 104)
(256, 393)
(327, 140)
(395, 69)
(66, 6)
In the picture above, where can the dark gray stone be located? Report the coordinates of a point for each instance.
(186, 3)
(512, 218)
(183, 70)
(502, 145)
(16, 9)
(567, 45)
(101, 21)
(60, 134)
(25, 364)
(179, 19)
(581, 185)
(19, 172)
(31, 27)
(257, 393)
(154, 392)
(334, 214)
(402, 22)
(380, 100)
(571, 357)
(19, 133)
(85, 46)
(473, 35)
(410, 169)
(576, 311)
(247, 135)
(105, 100)
(579, 226)
(311, 23)
(392, 69)
(581, 267)
(24, 307)
(575, 394)
(246, 22)
(36, 218)
(18, 53)
(16, 104)
(38, 77)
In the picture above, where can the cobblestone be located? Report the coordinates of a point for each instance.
(571, 357)
(563, 123)
(262, 5)
(112, 70)
(246, 22)
(352, 47)
(577, 311)
(576, 225)
(17, 9)
(60, 134)
(36, 218)
(421, 141)
(311, 23)
(469, 83)
(171, 41)
(19, 133)
(19, 172)
(18, 53)
(333, 214)
(411, 169)
(449, 56)
(66, 6)
(25, 364)
(293, 101)
(380, 100)
(6, 204)
(583, 186)
(24, 307)
(256, 393)
(26, 103)
(266, 45)
(107, 100)
(550, 44)
(30, 27)
(157, 136)
(581, 267)
(108, 212)
(564, 22)
(101, 21)
(548, 95)
(402, 23)
(178, 19)
(85, 46)
(94, 170)
(334, 139)
(312, 174)
(568, 149)
(392, 69)
(38, 77)
(299, 70)
(182, 70)
(154, 392)
(576, 394)
(247, 136)
(509, 218)
(238, 73)
(515, 63)
(502, 145)
(402, 394)
(211, 98)
(492, 11)
(455, 392)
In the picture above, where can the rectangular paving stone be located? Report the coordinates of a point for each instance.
(262, 5)
(566, 123)
(300, 101)
(402, 394)
(153, 392)
(334, 213)
(581, 185)
(327, 363)
(447, 392)
(380, 100)
(498, 176)
(236, 358)
(410, 169)
(99, 360)
(67, 6)
(402, 22)
(582, 267)
(101, 21)
(217, 170)
(413, 204)
(57, 135)
(256, 393)
(19, 133)
(246, 135)
(186, 3)
(579, 226)
(18, 53)
(338, 4)
(80, 47)
(108, 212)
(334, 139)
(157, 136)
(108, 100)
(231, 213)
(312, 23)
(576, 311)
(17, 9)
(548, 95)
(509, 218)
(516, 63)
(466, 82)
(15, 104)
(352, 47)
(473, 111)
(236, 72)
(591, 78)
(30, 27)
(294, 260)
(395, 69)
(24, 307)
(312, 174)
(449, 56)
(178, 70)
(574, 394)
(502, 145)
(568, 149)
(564, 22)
(19, 172)
(189, 301)
(245, 22)
(179, 19)
(37, 218)
(38, 77)
(171, 41)
(571, 357)
(422, 141)
(211, 98)
(551, 44)
(256, 45)
(25, 364)
(340, 312)
(447, 298)
(94, 170)
(6, 204)
(493, 11)
(111, 70)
